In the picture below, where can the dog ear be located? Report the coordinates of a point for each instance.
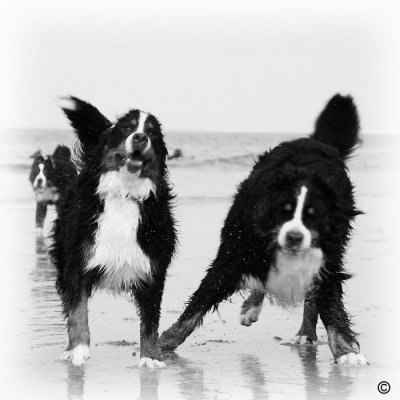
(86, 120)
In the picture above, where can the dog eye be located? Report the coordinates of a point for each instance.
(310, 211)
(287, 207)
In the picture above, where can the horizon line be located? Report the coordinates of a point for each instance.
(199, 131)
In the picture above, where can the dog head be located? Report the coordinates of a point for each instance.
(299, 220)
(308, 207)
(134, 142)
(127, 154)
(41, 174)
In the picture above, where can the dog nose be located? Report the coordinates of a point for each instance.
(140, 138)
(294, 238)
(40, 182)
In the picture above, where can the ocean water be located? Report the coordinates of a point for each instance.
(211, 166)
(221, 150)
(199, 149)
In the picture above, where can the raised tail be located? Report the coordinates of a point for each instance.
(338, 125)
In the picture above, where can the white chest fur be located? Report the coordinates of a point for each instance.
(290, 277)
(116, 250)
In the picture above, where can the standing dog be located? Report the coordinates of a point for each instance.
(115, 230)
(286, 234)
(50, 178)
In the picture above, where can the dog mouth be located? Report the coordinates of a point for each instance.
(133, 162)
(291, 251)
(39, 187)
(133, 165)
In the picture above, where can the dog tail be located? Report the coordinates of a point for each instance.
(338, 125)
(62, 153)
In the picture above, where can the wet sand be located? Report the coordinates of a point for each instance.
(222, 359)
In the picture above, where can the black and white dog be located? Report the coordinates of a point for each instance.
(116, 229)
(50, 178)
(285, 236)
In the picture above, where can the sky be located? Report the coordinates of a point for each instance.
(217, 66)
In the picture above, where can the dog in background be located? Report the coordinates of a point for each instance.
(115, 230)
(49, 178)
(286, 234)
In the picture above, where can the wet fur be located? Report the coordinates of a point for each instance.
(248, 247)
(104, 205)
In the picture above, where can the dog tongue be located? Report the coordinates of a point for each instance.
(133, 165)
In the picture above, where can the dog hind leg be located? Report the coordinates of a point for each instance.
(342, 340)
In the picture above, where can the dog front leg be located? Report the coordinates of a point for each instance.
(307, 333)
(41, 211)
(251, 308)
(148, 299)
(78, 333)
(342, 340)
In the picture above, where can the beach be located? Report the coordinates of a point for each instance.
(221, 359)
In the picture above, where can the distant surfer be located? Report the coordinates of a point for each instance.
(177, 153)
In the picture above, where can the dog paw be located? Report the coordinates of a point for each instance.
(352, 360)
(78, 355)
(250, 315)
(147, 362)
(302, 339)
